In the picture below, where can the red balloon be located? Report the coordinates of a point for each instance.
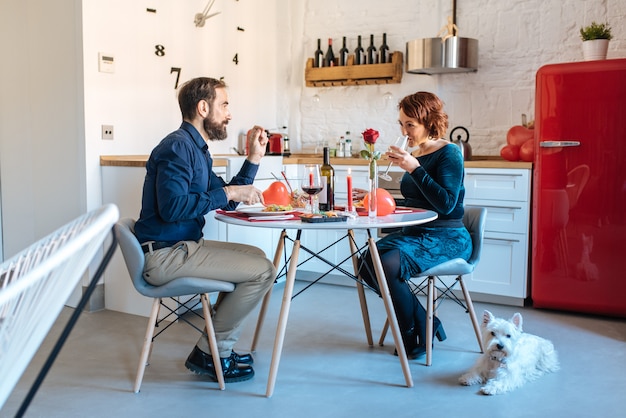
(527, 151)
(385, 202)
(277, 194)
(510, 152)
(519, 134)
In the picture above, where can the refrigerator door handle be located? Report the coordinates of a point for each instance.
(559, 144)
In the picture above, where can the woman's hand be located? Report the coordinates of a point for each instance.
(257, 142)
(402, 158)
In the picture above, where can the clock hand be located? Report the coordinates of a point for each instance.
(208, 7)
(201, 18)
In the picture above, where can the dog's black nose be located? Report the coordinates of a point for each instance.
(500, 346)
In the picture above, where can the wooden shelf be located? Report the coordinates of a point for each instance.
(354, 75)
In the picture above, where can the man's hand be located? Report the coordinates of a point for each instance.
(257, 142)
(247, 194)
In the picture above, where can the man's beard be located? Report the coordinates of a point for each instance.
(215, 130)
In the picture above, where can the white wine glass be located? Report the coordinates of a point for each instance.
(401, 143)
(311, 184)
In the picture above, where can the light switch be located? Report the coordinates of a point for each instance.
(106, 63)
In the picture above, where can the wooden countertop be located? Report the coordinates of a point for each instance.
(476, 162)
(221, 161)
(140, 161)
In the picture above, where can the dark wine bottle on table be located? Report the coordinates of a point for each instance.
(318, 57)
(371, 52)
(329, 59)
(343, 54)
(327, 196)
(383, 51)
(359, 53)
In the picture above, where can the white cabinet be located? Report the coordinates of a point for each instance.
(501, 275)
(503, 268)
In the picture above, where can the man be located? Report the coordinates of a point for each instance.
(179, 189)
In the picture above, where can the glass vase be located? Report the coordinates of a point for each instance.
(372, 209)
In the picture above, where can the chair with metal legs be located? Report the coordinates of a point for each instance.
(188, 287)
(474, 220)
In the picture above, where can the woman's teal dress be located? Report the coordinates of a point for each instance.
(436, 185)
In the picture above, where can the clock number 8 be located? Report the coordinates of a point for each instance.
(159, 50)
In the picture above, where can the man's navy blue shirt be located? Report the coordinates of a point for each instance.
(180, 188)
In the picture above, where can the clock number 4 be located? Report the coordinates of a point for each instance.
(236, 59)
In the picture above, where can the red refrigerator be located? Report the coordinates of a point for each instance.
(579, 188)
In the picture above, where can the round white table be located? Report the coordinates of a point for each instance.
(404, 218)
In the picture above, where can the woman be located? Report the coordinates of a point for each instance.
(434, 181)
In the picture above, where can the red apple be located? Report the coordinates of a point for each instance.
(385, 202)
(277, 194)
(519, 134)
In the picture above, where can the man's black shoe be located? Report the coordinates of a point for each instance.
(242, 358)
(201, 363)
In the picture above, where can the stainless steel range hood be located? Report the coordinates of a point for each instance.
(431, 56)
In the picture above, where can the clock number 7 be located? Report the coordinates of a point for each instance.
(177, 71)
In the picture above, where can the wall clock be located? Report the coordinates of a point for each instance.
(161, 51)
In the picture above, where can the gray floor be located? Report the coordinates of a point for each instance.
(327, 369)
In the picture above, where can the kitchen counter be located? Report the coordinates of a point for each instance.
(140, 161)
(476, 162)
(221, 161)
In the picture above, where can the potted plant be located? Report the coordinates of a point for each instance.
(596, 39)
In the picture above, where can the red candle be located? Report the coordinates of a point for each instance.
(311, 178)
(349, 189)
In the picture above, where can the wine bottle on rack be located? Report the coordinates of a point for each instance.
(359, 53)
(383, 51)
(343, 54)
(329, 59)
(318, 57)
(327, 196)
(371, 52)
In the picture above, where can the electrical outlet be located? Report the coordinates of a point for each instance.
(107, 131)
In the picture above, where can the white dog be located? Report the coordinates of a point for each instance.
(511, 356)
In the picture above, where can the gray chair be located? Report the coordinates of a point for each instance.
(474, 220)
(180, 287)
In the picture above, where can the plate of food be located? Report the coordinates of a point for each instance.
(269, 210)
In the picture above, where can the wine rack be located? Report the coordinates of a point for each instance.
(354, 75)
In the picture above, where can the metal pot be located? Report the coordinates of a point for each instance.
(464, 146)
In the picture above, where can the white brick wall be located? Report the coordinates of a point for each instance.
(515, 39)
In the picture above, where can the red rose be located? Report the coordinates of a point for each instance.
(370, 136)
